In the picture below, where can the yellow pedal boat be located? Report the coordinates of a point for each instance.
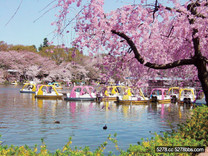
(48, 92)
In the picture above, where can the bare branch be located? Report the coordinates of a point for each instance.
(41, 15)
(71, 20)
(14, 13)
(45, 11)
(148, 64)
(47, 5)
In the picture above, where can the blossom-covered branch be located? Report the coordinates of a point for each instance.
(148, 64)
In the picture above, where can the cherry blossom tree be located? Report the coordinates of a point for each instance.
(160, 38)
(1, 75)
(26, 63)
(61, 72)
(33, 66)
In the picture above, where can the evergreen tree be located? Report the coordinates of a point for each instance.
(45, 44)
(40, 48)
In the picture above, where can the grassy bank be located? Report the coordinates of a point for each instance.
(194, 132)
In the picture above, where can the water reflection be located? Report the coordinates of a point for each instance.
(170, 112)
(25, 120)
(46, 106)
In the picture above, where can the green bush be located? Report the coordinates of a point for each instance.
(196, 127)
(6, 83)
(192, 133)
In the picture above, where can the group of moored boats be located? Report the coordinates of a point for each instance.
(177, 94)
(119, 94)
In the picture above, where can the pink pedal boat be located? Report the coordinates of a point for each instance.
(81, 93)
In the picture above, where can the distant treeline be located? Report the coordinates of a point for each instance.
(56, 53)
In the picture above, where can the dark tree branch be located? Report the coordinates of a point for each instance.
(196, 46)
(148, 64)
(180, 11)
(170, 65)
(131, 44)
(170, 31)
(192, 8)
(155, 10)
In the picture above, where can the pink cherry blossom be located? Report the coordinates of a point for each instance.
(146, 40)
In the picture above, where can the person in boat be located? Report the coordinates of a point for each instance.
(30, 87)
(106, 92)
(50, 89)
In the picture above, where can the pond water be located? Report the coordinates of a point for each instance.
(25, 120)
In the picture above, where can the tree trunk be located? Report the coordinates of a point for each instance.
(203, 76)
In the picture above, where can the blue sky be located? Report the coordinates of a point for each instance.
(25, 29)
(22, 29)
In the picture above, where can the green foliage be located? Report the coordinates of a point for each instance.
(76, 81)
(23, 48)
(56, 54)
(191, 133)
(197, 127)
(59, 54)
(75, 55)
(6, 83)
(5, 47)
(45, 44)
